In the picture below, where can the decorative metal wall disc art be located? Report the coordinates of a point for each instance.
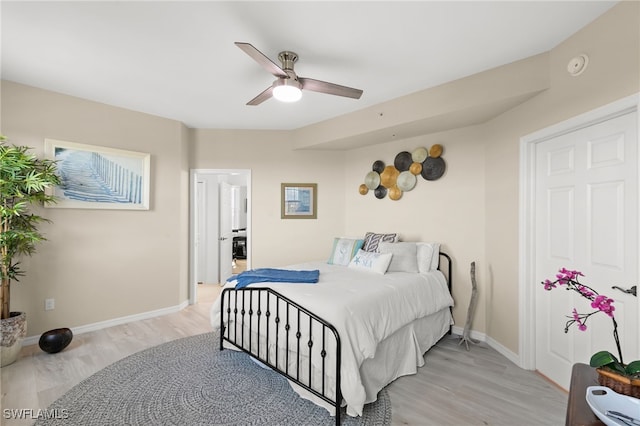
(433, 168)
(416, 168)
(402, 176)
(395, 193)
(419, 155)
(406, 181)
(380, 192)
(388, 176)
(403, 161)
(435, 151)
(372, 180)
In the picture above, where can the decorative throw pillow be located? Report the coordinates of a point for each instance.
(370, 261)
(428, 257)
(343, 250)
(405, 256)
(371, 240)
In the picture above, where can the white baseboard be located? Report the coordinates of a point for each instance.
(476, 335)
(32, 340)
(511, 356)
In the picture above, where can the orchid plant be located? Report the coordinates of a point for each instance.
(599, 303)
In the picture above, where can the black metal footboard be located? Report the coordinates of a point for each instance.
(288, 337)
(284, 336)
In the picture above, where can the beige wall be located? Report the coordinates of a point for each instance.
(272, 161)
(449, 210)
(101, 265)
(613, 46)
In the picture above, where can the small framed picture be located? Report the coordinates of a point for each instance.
(299, 201)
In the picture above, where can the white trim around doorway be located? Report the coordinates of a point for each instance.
(193, 174)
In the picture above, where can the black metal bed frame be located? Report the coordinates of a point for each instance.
(249, 301)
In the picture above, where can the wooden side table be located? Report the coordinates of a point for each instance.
(578, 411)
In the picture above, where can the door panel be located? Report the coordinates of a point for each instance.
(201, 232)
(213, 229)
(606, 224)
(226, 232)
(586, 219)
(206, 229)
(560, 228)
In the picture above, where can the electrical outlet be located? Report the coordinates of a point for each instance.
(49, 304)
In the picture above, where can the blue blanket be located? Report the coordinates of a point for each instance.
(272, 275)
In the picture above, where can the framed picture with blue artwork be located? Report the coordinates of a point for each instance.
(95, 177)
(299, 201)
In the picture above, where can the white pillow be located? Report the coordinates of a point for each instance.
(428, 257)
(343, 250)
(371, 261)
(405, 256)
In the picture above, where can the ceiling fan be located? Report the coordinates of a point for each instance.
(288, 86)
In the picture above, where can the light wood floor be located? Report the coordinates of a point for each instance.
(456, 387)
(239, 265)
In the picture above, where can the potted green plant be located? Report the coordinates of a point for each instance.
(23, 181)
(612, 372)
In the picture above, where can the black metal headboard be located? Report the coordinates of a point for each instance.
(449, 276)
(449, 269)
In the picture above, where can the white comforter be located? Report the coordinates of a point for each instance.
(365, 308)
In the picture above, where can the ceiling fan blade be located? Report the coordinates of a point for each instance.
(260, 58)
(329, 88)
(266, 94)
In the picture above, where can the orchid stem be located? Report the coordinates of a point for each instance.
(615, 337)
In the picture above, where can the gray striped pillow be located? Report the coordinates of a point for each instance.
(371, 240)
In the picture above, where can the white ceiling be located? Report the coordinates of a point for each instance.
(178, 59)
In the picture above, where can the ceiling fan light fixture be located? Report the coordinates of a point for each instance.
(287, 90)
(288, 86)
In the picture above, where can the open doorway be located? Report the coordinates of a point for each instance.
(220, 227)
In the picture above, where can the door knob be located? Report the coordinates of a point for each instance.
(222, 238)
(633, 290)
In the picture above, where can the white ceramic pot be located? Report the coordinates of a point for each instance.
(14, 330)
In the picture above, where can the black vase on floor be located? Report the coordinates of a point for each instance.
(53, 341)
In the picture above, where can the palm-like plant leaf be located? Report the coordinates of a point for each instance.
(24, 180)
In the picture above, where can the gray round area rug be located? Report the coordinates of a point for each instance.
(191, 382)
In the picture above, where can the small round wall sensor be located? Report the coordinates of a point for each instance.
(577, 65)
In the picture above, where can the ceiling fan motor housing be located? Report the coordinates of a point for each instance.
(287, 59)
(287, 89)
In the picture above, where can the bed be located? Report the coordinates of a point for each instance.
(341, 340)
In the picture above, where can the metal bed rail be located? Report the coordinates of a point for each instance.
(290, 328)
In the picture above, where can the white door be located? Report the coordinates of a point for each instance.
(201, 232)
(586, 219)
(213, 229)
(226, 233)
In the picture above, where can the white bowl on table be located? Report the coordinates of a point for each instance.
(603, 400)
